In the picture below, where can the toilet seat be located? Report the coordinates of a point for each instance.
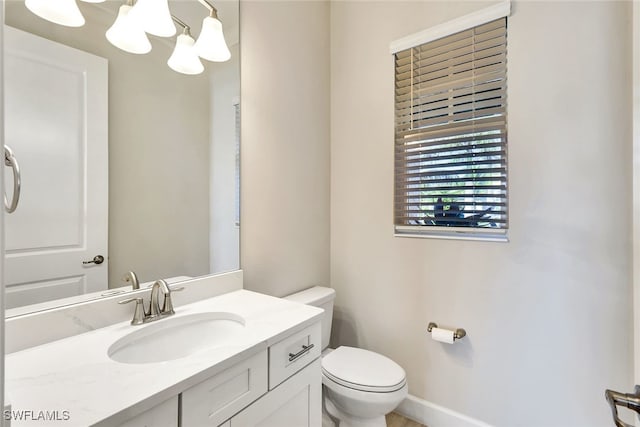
(363, 370)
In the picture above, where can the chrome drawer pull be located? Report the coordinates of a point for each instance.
(305, 349)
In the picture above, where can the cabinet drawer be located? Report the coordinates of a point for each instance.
(215, 400)
(294, 353)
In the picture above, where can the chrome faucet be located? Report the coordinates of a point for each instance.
(154, 304)
(130, 277)
(154, 312)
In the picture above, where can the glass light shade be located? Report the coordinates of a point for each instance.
(211, 44)
(126, 34)
(154, 17)
(63, 12)
(184, 58)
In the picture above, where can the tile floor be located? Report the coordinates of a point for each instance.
(397, 420)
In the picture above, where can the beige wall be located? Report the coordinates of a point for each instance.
(285, 145)
(548, 314)
(158, 151)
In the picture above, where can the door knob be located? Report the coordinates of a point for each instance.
(628, 400)
(98, 259)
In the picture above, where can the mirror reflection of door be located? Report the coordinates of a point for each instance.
(56, 107)
(172, 179)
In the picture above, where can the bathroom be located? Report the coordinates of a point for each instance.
(549, 314)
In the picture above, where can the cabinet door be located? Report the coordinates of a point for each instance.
(163, 415)
(296, 402)
(216, 399)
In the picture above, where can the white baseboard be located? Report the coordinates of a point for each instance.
(433, 415)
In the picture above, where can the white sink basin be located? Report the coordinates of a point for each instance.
(176, 337)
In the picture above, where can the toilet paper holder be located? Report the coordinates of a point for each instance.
(457, 334)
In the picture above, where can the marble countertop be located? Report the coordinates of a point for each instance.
(76, 375)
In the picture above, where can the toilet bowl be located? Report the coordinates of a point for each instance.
(359, 386)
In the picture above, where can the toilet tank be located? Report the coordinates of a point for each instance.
(322, 297)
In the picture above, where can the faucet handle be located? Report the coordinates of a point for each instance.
(138, 314)
(167, 305)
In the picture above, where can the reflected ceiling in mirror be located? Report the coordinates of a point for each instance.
(167, 185)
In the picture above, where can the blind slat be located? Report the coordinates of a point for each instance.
(427, 69)
(458, 221)
(492, 90)
(451, 82)
(408, 101)
(459, 48)
(410, 69)
(441, 180)
(457, 112)
(439, 145)
(410, 152)
(426, 175)
(452, 160)
(461, 203)
(481, 125)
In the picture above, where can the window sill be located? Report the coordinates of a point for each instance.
(482, 237)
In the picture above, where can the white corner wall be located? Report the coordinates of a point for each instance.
(285, 145)
(548, 315)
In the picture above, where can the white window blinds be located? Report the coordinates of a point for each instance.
(451, 133)
(236, 109)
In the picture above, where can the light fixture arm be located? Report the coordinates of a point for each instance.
(213, 12)
(185, 28)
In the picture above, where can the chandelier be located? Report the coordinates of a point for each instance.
(138, 18)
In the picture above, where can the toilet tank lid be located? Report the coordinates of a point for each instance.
(316, 295)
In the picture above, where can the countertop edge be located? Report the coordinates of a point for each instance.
(161, 396)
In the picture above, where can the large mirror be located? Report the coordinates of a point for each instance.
(126, 165)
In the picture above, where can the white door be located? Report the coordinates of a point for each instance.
(56, 122)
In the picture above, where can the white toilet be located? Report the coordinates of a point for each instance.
(359, 386)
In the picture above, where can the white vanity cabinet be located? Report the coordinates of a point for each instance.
(218, 398)
(162, 415)
(279, 387)
(297, 402)
(266, 374)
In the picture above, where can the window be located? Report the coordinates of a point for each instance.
(451, 135)
(236, 109)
